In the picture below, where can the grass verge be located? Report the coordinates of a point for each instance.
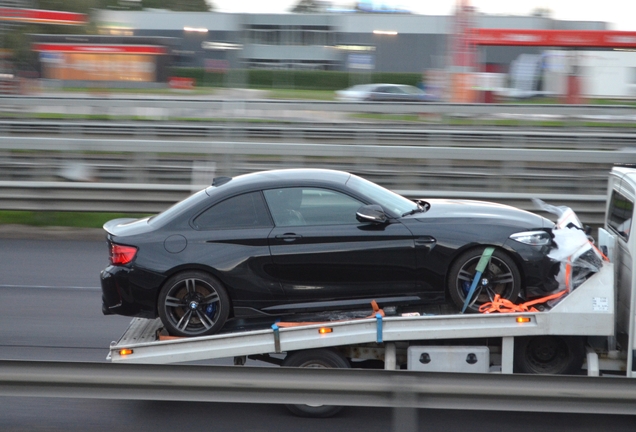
(326, 95)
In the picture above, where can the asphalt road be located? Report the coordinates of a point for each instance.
(50, 310)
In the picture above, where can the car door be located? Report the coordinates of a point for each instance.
(396, 94)
(320, 251)
(231, 237)
(382, 93)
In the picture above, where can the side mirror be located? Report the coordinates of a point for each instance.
(371, 213)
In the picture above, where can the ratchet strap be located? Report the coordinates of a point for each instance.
(505, 306)
(374, 305)
(378, 319)
(276, 339)
(481, 266)
(377, 314)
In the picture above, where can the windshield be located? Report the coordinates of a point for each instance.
(362, 87)
(390, 201)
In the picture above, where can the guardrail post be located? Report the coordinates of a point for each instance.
(389, 356)
(507, 354)
(405, 414)
(404, 419)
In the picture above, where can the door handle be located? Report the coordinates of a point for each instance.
(288, 237)
(424, 240)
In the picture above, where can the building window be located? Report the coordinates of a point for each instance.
(291, 35)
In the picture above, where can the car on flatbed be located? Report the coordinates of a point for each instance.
(280, 242)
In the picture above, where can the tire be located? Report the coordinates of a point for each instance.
(319, 358)
(556, 355)
(501, 276)
(193, 303)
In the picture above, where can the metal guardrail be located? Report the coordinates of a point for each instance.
(199, 103)
(91, 197)
(162, 171)
(399, 389)
(154, 198)
(350, 133)
(314, 150)
(514, 170)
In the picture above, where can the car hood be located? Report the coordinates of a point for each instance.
(127, 226)
(450, 209)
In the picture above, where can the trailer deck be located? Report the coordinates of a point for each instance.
(586, 311)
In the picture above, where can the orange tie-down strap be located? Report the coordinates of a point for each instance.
(502, 305)
(374, 305)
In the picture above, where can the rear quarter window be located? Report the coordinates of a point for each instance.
(242, 211)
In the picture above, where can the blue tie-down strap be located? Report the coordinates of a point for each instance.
(378, 320)
(276, 339)
(479, 270)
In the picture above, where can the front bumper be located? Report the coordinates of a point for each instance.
(538, 270)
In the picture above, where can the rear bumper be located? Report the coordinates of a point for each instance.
(122, 296)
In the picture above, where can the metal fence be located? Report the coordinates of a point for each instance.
(398, 389)
(349, 133)
(146, 175)
(198, 107)
(153, 198)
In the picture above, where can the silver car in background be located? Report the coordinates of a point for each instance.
(383, 92)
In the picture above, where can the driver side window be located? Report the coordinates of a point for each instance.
(311, 206)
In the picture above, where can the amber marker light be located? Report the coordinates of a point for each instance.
(522, 320)
(325, 330)
(125, 352)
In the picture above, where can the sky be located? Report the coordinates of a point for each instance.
(619, 13)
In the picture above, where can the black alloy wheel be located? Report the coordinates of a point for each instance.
(193, 304)
(316, 358)
(501, 276)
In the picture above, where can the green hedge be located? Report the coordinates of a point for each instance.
(302, 80)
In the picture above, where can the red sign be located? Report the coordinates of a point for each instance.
(555, 38)
(42, 16)
(181, 83)
(100, 48)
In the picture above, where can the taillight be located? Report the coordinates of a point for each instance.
(120, 255)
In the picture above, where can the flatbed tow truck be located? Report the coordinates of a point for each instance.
(593, 325)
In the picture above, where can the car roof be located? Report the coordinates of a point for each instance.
(375, 85)
(286, 177)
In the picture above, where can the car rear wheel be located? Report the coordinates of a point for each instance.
(501, 276)
(549, 354)
(193, 304)
(317, 358)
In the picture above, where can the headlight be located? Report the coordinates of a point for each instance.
(533, 238)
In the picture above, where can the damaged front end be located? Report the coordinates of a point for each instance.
(573, 249)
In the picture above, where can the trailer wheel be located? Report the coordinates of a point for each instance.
(549, 354)
(501, 276)
(193, 303)
(316, 358)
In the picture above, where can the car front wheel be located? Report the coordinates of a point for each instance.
(501, 276)
(193, 304)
